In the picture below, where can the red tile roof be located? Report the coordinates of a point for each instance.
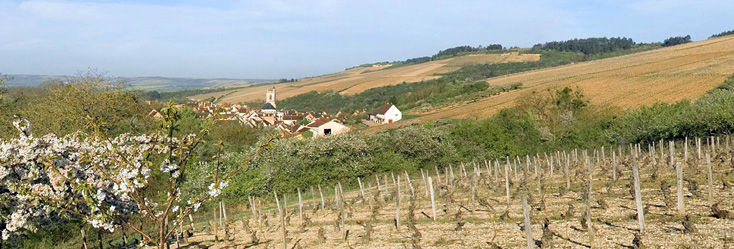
(382, 109)
(319, 122)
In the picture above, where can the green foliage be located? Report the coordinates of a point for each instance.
(87, 103)
(307, 134)
(293, 163)
(725, 33)
(509, 133)
(672, 41)
(710, 114)
(728, 85)
(464, 50)
(588, 45)
(179, 96)
(443, 54)
(570, 100)
(235, 136)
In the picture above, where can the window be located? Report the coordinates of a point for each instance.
(327, 131)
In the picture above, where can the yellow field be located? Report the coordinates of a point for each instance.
(356, 80)
(663, 75)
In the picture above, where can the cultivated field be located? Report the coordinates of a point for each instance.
(358, 79)
(479, 205)
(664, 75)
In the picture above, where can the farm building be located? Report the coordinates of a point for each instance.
(325, 127)
(386, 114)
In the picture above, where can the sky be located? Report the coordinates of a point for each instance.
(293, 39)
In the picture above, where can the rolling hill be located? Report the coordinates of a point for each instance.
(358, 79)
(664, 75)
(161, 84)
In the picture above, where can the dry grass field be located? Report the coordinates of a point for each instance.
(358, 79)
(472, 208)
(664, 75)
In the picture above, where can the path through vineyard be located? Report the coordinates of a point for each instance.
(613, 215)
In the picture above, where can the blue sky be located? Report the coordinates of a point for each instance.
(290, 39)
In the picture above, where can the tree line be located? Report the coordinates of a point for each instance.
(676, 40)
(725, 33)
(588, 45)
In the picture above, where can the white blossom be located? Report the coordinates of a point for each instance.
(47, 174)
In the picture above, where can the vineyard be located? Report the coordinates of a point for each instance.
(660, 195)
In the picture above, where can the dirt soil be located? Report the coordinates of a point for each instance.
(614, 226)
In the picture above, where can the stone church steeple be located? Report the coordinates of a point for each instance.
(270, 97)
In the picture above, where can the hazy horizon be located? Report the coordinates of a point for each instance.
(293, 39)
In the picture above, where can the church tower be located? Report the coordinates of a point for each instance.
(270, 97)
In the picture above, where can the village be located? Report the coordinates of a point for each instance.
(290, 123)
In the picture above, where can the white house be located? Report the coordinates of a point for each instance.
(325, 127)
(386, 114)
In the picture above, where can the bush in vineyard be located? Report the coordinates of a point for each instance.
(107, 182)
(291, 163)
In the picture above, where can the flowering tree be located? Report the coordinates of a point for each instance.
(107, 182)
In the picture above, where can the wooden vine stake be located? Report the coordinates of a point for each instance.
(711, 179)
(671, 152)
(638, 198)
(526, 214)
(387, 186)
(410, 183)
(567, 173)
(282, 219)
(438, 176)
(220, 214)
(191, 223)
(361, 188)
(551, 167)
(313, 198)
(224, 211)
(377, 181)
(681, 205)
(507, 181)
(463, 168)
(397, 205)
(496, 169)
(300, 206)
(252, 206)
(685, 150)
(698, 147)
(425, 183)
(433, 200)
(614, 166)
(588, 203)
(341, 205)
(321, 193)
(84, 239)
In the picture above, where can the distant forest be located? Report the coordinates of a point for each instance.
(444, 54)
(588, 45)
(725, 33)
(672, 41)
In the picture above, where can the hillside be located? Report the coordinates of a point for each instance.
(358, 79)
(664, 75)
(161, 84)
